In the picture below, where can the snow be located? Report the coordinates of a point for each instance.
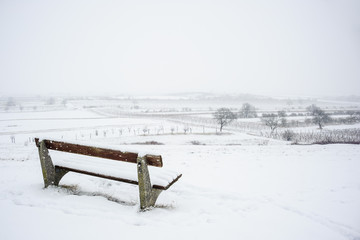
(234, 185)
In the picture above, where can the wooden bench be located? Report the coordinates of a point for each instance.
(148, 191)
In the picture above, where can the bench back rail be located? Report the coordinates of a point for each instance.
(152, 160)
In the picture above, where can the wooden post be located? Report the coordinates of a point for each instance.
(148, 195)
(48, 169)
(51, 175)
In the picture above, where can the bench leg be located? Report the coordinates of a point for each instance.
(148, 195)
(59, 173)
(51, 175)
(48, 169)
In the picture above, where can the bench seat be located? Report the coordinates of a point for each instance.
(161, 178)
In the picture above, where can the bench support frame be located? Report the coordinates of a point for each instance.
(53, 174)
(148, 195)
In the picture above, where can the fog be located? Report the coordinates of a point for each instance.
(155, 47)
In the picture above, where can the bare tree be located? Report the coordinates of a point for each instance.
(319, 116)
(247, 111)
(224, 116)
(312, 109)
(273, 121)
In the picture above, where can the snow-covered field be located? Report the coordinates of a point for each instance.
(234, 185)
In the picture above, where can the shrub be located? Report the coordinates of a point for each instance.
(196, 143)
(288, 135)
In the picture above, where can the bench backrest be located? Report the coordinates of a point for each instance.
(153, 160)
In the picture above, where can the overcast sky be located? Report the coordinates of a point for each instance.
(262, 47)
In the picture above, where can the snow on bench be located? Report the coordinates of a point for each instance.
(90, 160)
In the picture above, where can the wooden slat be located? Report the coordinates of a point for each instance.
(153, 160)
(115, 178)
(97, 175)
(169, 185)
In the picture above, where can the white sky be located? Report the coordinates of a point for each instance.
(264, 47)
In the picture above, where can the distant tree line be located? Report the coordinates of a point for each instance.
(224, 116)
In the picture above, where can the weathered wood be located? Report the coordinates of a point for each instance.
(114, 178)
(153, 160)
(169, 185)
(97, 175)
(47, 165)
(148, 195)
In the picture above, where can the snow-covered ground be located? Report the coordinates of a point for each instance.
(234, 185)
